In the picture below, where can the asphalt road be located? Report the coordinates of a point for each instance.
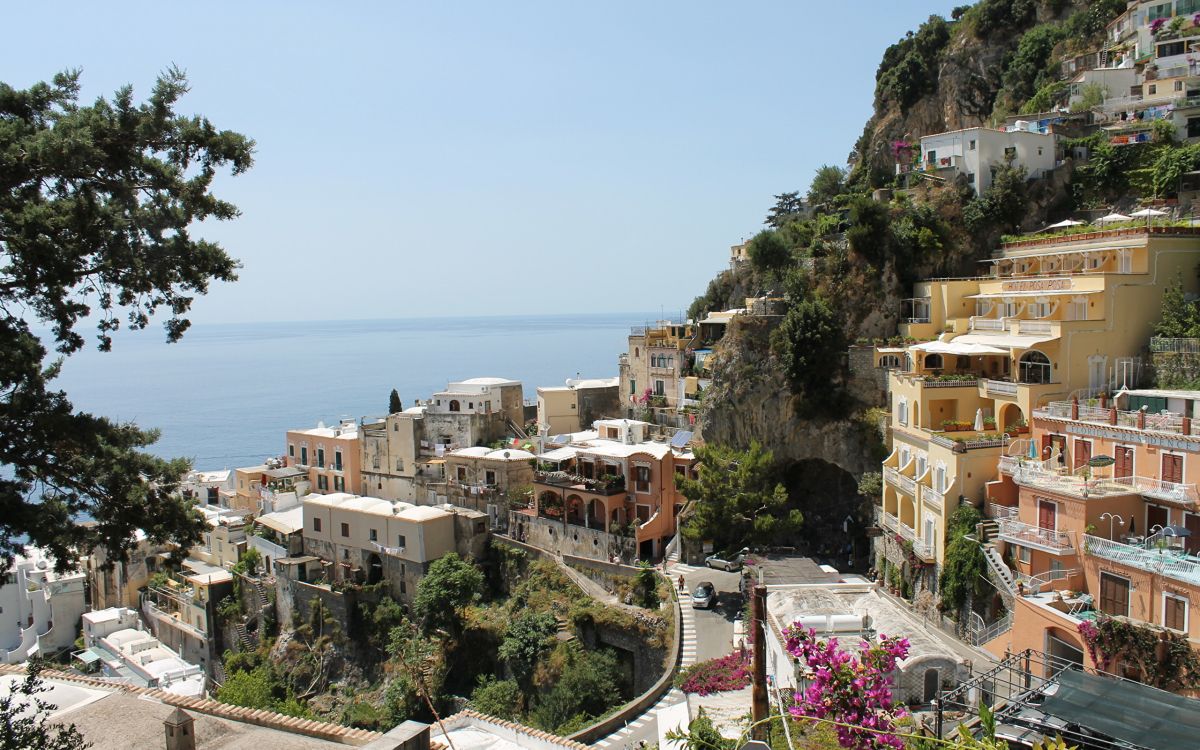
(714, 627)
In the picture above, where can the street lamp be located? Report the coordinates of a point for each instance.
(1111, 518)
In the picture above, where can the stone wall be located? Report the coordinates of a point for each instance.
(568, 539)
(1175, 370)
(867, 383)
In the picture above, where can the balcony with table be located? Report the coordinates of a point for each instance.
(1159, 558)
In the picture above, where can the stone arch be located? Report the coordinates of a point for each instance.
(1010, 414)
(931, 684)
(575, 508)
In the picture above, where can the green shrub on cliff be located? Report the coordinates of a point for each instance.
(810, 343)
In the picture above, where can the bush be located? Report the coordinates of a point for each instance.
(720, 675)
(810, 344)
(499, 698)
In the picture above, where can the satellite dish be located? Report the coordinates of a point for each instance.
(506, 454)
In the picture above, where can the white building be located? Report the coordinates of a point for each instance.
(124, 651)
(205, 486)
(39, 608)
(978, 153)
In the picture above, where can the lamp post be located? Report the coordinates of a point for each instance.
(1111, 518)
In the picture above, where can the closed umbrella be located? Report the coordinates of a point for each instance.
(979, 420)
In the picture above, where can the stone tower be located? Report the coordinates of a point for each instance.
(180, 730)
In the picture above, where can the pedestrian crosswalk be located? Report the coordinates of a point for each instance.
(688, 657)
(639, 725)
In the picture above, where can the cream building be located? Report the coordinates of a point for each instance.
(567, 408)
(1054, 318)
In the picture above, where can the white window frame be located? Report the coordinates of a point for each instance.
(902, 411)
(1187, 611)
(905, 456)
(942, 482)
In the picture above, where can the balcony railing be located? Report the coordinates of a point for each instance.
(1049, 540)
(1001, 388)
(921, 548)
(1167, 422)
(932, 497)
(895, 478)
(1000, 512)
(1165, 562)
(949, 383)
(1177, 492)
(1036, 326)
(989, 324)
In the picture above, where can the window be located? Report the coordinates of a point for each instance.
(400, 540)
(902, 411)
(1179, 85)
(1175, 612)
(1154, 88)
(971, 145)
(291, 450)
(1034, 367)
(1172, 467)
(322, 482)
(660, 388)
(1039, 150)
(339, 484)
(304, 455)
(1168, 49)
(489, 477)
(633, 383)
(1193, 127)
(373, 535)
(316, 524)
(454, 405)
(1155, 12)
(1083, 453)
(1114, 594)
(970, 178)
(1124, 465)
(460, 473)
(1010, 153)
(1023, 554)
(337, 460)
(931, 157)
(320, 458)
(642, 478)
(346, 529)
(1047, 515)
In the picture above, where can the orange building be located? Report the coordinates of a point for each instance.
(614, 495)
(331, 455)
(1097, 512)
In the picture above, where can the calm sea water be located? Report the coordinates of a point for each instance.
(225, 394)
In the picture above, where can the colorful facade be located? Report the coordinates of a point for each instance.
(1054, 318)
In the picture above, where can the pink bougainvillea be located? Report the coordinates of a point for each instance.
(716, 675)
(853, 691)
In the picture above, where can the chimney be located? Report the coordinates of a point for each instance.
(180, 731)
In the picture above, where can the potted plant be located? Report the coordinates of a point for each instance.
(949, 425)
(989, 423)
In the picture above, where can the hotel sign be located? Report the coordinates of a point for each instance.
(1134, 436)
(1038, 285)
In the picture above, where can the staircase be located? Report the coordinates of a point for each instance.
(247, 643)
(261, 591)
(672, 557)
(999, 573)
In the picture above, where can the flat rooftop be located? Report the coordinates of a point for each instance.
(783, 570)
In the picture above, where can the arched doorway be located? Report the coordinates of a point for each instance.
(931, 685)
(575, 509)
(1010, 416)
(550, 505)
(374, 569)
(1034, 367)
(454, 405)
(595, 514)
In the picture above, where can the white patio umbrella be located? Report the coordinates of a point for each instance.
(1113, 217)
(1064, 224)
(979, 420)
(1148, 213)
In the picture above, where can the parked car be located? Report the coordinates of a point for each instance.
(704, 596)
(727, 562)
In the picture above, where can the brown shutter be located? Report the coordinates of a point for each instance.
(1124, 467)
(1172, 468)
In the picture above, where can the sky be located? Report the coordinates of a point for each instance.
(487, 158)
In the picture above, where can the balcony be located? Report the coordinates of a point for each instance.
(1042, 475)
(1169, 423)
(933, 498)
(922, 549)
(1169, 563)
(1047, 540)
(609, 485)
(989, 324)
(1000, 388)
(896, 479)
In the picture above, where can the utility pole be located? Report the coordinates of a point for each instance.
(759, 708)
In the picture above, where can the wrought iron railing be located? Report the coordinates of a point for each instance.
(1050, 540)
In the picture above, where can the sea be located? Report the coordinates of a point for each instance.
(225, 395)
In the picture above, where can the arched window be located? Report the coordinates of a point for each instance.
(889, 362)
(1034, 367)
(454, 405)
(933, 361)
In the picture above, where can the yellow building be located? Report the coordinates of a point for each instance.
(1053, 318)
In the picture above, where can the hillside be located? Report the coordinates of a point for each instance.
(842, 257)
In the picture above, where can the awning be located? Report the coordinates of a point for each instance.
(957, 347)
(1125, 710)
(1031, 293)
(1049, 253)
(1007, 340)
(88, 656)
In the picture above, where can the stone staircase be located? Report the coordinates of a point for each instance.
(243, 636)
(999, 574)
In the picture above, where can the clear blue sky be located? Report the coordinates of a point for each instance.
(492, 157)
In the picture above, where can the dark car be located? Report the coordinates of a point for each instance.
(705, 596)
